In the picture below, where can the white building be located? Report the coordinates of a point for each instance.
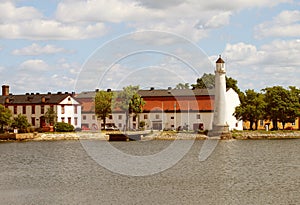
(35, 105)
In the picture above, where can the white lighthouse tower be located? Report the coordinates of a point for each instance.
(220, 126)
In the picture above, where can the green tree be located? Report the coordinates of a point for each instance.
(21, 123)
(5, 117)
(50, 116)
(251, 109)
(207, 81)
(129, 101)
(282, 105)
(103, 105)
(182, 86)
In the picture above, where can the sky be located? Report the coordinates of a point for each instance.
(80, 45)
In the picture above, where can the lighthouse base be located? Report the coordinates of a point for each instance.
(221, 131)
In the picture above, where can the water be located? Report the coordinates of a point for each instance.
(237, 172)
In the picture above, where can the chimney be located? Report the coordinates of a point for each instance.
(5, 90)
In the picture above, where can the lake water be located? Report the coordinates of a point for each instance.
(237, 172)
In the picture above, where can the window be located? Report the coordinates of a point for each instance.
(62, 109)
(24, 109)
(33, 121)
(69, 120)
(156, 116)
(62, 119)
(15, 109)
(93, 117)
(172, 117)
(261, 123)
(120, 125)
(33, 109)
(75, 121)
(134, 118)
(145, 117)
(42, 109)
(84, 117)
(75, 109)
(120, 117)
(110, 117)
(198, 117)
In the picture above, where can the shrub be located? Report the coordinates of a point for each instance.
(63, 127)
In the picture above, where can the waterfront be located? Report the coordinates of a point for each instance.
(237, 172)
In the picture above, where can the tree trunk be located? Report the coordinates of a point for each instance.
(251, 124)
(283, 125)
(275, 126)
(256, 124)
(104, 121)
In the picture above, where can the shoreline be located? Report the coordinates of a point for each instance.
(235, 135)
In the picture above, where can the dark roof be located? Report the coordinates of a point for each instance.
(34, 98)
(155, 93)
(175, 92)
(86, 94)
(220, 60)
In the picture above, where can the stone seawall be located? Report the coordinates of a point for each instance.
(53, 136)
(266, 135)
(244, 135)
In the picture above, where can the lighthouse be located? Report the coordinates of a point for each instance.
(220, 126)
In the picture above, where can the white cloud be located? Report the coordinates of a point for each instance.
(9, 13)
(286, 24)
(191, 18)
(81, 19)
(29, 23)
(271, 64)
(35, 49)
(34, 65)
(38, 76)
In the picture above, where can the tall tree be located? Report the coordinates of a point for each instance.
(182, 86)
(129, 101)
(103, 105)
(50, 116)
(207, 81)
(21, 123)
(5, 117)
(251, 109)
(282, 105)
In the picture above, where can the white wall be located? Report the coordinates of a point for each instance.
(232, 101)
(69, 103)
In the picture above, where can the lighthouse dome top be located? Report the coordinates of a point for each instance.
(220, 60)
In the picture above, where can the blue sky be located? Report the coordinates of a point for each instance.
(69, 45)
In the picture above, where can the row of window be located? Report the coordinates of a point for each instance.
(33, 120)
(33, 109)
(70, 120)
(42, 109)
(157, 116)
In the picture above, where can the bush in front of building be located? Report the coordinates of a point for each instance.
(63, 127)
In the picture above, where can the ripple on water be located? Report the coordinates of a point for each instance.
(237, 172)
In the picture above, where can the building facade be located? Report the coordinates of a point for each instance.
(169, 109)
(35, 105)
